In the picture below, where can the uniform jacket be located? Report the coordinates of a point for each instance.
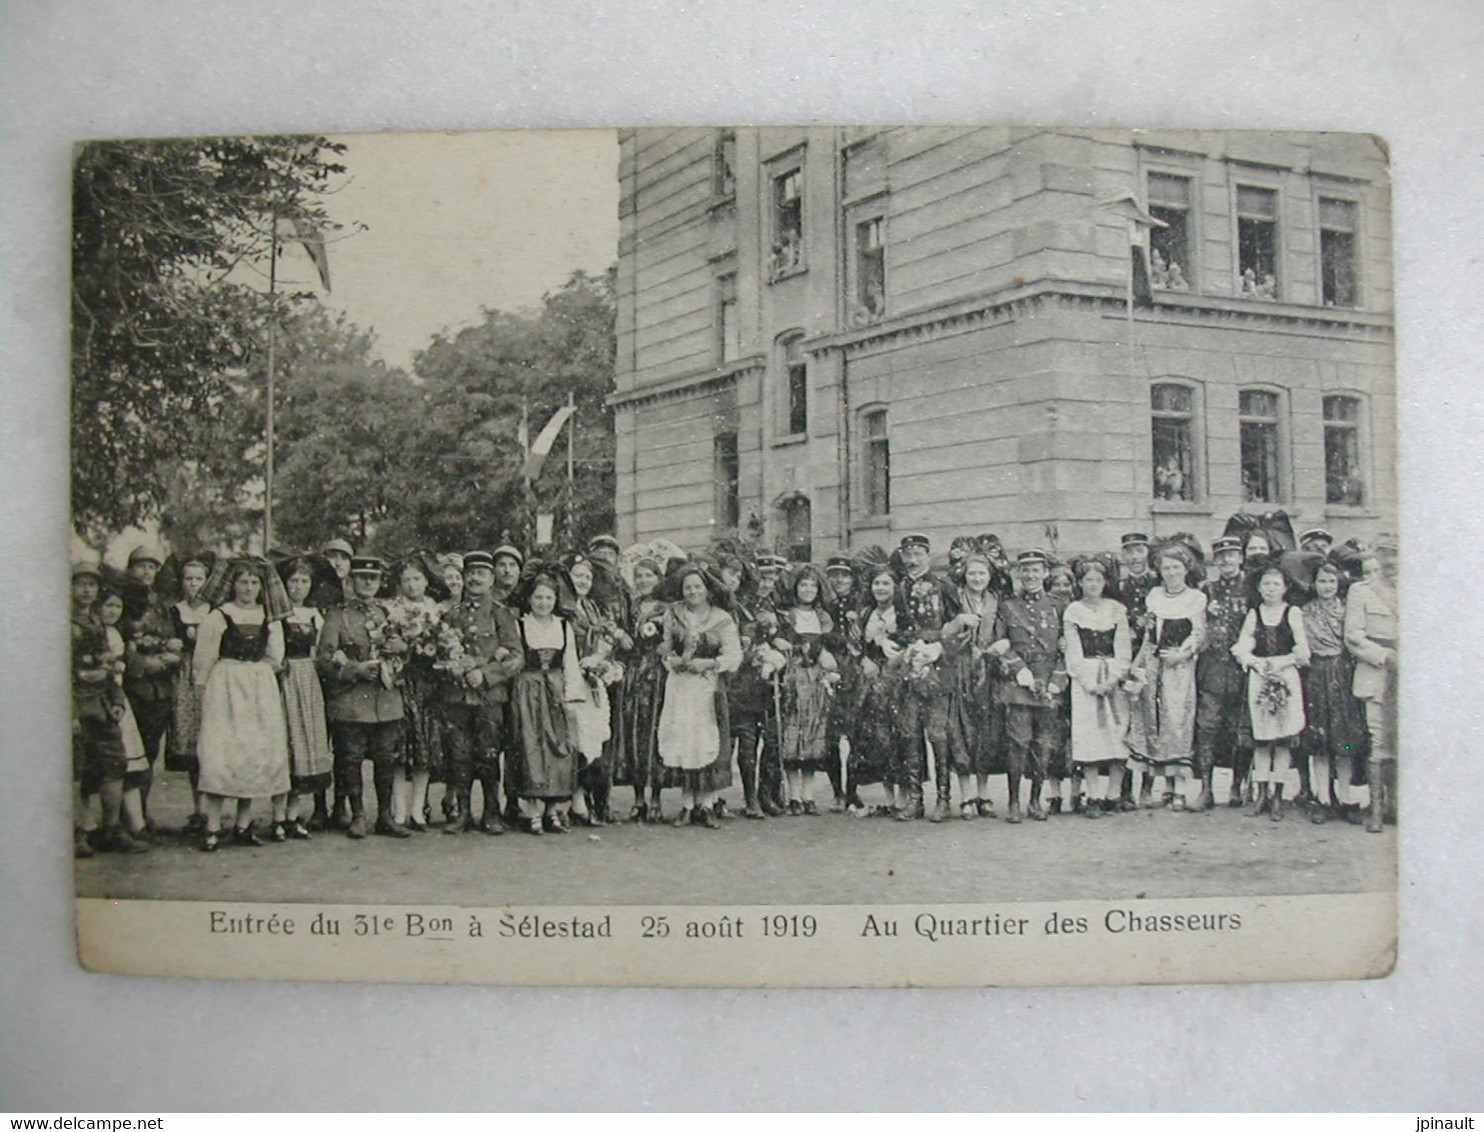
(1032, 626)
(932, 601)
(1216, 670)
(352, 698)
(151, 678)
(488, 625)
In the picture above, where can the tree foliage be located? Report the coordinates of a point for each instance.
(165, 313)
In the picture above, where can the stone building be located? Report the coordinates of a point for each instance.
(828, 337)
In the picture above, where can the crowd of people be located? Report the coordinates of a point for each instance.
(1097, 684)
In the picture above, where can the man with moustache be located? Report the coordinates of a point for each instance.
(475, 725)
(932, 602)
(1219, 680)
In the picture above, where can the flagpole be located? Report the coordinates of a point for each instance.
(571, 486)
(272, 350)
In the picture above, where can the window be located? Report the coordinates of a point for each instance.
(728, 477)
(723, 165)
(1172, 409)
(1337, 252)
(728, 325)
(796, 388)
(1258, 416)
(788, 224)
(798, 529)
(1257, 242)
(1169, 247)
(1343, 482)
(869, 300)
(878, 463)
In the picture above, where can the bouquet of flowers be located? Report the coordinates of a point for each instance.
(165, 652)
(599, 665)
(1272, 694)
(922, 667)
(410, 633)
(450, 651)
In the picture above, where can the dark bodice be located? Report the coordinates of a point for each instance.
(1097, 642)
(1173, 632)
(299, 640)
(543, 660)
(1273, 640)
(243, 642)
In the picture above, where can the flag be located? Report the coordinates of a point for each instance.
(1140, 222)
(536, 455)
(313, 242)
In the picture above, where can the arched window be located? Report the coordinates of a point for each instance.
(1344, 481)
(1174, 410)
(797, 520)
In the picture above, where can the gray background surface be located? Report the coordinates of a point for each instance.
(90, 68)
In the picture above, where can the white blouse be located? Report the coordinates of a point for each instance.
(214, 628)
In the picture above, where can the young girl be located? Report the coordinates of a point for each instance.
(973, 738)
(187, 615)
(313, 764)
(699, 646)
(244, 737)
(803, 626)
(1336, 734)
(886, 629)
(1098, 651)
(1272, 647)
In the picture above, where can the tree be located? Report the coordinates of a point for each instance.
(165, 236)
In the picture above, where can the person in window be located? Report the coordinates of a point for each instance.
(809, 680)
(1162, 733)
(1336, 734)
(974, 740)
(886, 631)
(312, 762)
(638, 761)
(243, 744)
(1272, 647)
(541, 697)
(1027, 639)
(1371, 637)
(699, 646)
(1220, 683)
(1099, 648)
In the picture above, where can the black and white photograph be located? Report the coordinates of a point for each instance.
(835, 534)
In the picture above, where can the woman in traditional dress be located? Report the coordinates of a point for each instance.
(1272, 647)
(1335, 736)
(885, 631)
(550, 679)
(637, 760)
(699, 647)
(414, 613)
(312, 764)
(243, 744)
(597, 640)
(1163, 734)
(1098, 647)
(973, 738)
(804, 627)
(186, 616)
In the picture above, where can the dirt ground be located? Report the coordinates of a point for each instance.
(832, 858)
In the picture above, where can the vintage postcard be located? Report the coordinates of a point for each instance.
(819, 556)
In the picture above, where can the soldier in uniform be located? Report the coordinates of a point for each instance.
(845, 647)
(932, 601)
(151, 667)
(1316, 539)
(507, 564)
(475, 725)
(1220, 683)
(1028, 642)
(98, 759)
(770, 568)
(363, 705)
(1136, 578)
